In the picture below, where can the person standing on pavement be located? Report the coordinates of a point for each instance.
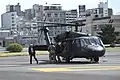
(32, 53)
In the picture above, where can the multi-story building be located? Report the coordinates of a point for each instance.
(104, 6)
(82, 10)
(15, 8)
(37, 12)
(28, 14)
(9, 20)
(71, 15)
(101, 11)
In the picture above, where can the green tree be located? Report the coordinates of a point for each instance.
(107, 34)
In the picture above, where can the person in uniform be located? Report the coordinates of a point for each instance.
(32, 53)
(52, 54)
(58, 51)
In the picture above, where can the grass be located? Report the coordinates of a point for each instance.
(7, 54)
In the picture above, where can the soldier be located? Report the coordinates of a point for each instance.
(32, 52)
(58, 51)
(52, 55)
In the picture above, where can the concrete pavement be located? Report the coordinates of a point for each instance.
(18, 68)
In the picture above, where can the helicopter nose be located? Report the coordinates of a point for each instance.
(96, 48)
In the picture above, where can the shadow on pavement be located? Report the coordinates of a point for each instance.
(72, 62)
(45, 62)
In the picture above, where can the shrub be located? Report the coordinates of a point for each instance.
(14, 47)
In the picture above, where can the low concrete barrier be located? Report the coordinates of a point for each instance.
(112, 45)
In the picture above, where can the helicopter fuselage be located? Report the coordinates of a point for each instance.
(83, 47)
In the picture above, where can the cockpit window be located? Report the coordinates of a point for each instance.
(94, 41)
(87, 41)
(83, 42)
(100, 41)
(97, 41)
(91, 41)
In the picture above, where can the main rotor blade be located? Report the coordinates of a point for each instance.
(61, 24)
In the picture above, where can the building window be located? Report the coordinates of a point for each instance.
(13, 24)
(96, 16)
(34, 24)
(106, 13)
(55, 20)
(49, 14)
(51, 20)
(46, 8)
(13, 21)
(53, 8)
(56, 15)
(12, 15)
(61, 15)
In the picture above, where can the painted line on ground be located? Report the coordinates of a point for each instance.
(80, 68)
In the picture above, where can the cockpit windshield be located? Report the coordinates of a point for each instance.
(91, 41)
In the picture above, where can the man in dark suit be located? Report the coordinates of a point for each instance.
(32, 52)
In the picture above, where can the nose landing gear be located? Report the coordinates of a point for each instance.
(95, 59)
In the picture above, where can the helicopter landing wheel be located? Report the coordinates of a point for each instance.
(96, 59)
(67, 60)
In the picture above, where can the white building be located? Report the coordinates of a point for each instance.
(101, 11)
(104, 6)
(71, 15)
(37, 12)
(9, 20)
(15, 8)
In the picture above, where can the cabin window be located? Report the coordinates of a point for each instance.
(83, 43)
(77, 43)
(87, 41)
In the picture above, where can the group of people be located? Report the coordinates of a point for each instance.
(54, 50)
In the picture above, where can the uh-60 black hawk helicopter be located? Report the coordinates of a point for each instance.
(70, 45)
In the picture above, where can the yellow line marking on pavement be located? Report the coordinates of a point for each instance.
(51, 69)
(80, 68)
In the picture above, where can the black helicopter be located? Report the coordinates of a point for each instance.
(69, 45)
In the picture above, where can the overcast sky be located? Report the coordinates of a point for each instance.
(67, 4)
